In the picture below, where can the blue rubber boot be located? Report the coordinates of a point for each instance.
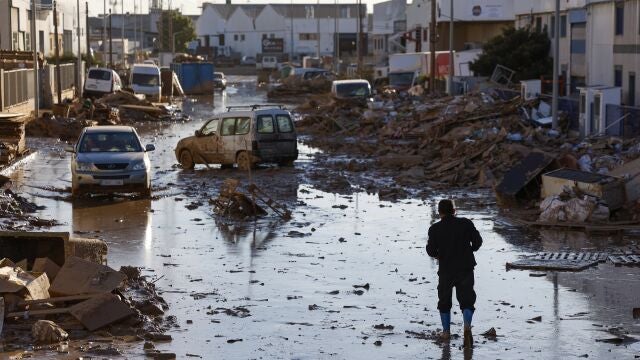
(446, 326)
(467, 316)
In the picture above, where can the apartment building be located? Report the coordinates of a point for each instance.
(15, 26)
(387, 28)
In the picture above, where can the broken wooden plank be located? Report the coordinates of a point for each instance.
(551, 265)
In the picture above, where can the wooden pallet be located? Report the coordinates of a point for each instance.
(559, 261)
(625, 260)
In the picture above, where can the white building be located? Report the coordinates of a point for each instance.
(389, 24)
(300, 29)
(476, 21)
(15, 26)
(599, 41)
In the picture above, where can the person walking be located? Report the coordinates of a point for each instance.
(452, 241)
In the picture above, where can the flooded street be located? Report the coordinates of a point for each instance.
(294, 289)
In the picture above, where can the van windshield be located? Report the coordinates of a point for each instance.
(145, 79)
(352, 90)
(405, 78)
(110, 142)
(99, 75)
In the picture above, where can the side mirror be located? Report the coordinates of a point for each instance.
(149, 147)
(70, 149)
(198, 133)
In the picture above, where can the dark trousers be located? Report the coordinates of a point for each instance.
(463, 282)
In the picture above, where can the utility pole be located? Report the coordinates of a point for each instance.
(291, 20)
(317, 15)
(36, 88)
(110, 41)
(79, 59)
(451, 70)
(432, 48)
(57, 49)
(135, 31)
(556, 61)
(359, 42)
(104, 27)
(124, 61)
(86, 21)
(335, 37)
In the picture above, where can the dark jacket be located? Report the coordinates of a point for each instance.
(452, 240)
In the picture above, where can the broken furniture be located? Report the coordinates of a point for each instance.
(234, 203)
(523, 180)
(559, 261)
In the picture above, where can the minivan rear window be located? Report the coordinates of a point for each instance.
(145, 79)
(99, 74)
(284, 123)
(265, 124)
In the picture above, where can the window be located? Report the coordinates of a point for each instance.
(97, 74)
(284, 124)
(210, 128)
(110, 142)
(308, 36)
(221, 39)
(241, 37)
(264, 36)
(552, 27)
(619, 18)
(243, 125)
(265, 124)
(228, 126)
(272, 36)
(617, 75)
(563, 26)
(538, 24)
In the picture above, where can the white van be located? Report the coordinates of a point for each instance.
(351, 89)
(101, 81)
(145, 79)
(269, 62)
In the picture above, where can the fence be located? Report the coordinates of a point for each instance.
(67, 74)
(623, 121)
(17, 87)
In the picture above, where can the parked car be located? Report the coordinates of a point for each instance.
(269, 62)
(109, 159)
(311, 73)
(101, 81)
(244, 137)
(350, 89)
(224, 61)
(145, 79)
(219, 81)
(248, 60)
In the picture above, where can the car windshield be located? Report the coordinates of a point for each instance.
(145, 79)
(217, 76)
(110, 142)
(401, 78)
(99, 75)
(352, 90)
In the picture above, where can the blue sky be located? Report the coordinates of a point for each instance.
(193, 7)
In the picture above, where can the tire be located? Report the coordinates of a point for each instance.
(186, 160)
(244, 161)
(286, 163)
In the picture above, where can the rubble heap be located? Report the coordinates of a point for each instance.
(293, 86)
(50, 304)
(12, 140)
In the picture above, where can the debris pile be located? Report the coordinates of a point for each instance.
(294, 86)
(49, 303)
(236, 204)
(12, 139)
(15, 210)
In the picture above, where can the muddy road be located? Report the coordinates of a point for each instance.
(294, 290)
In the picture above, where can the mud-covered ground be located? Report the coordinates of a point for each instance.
(296, 289)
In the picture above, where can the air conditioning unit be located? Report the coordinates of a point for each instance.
(530, 89)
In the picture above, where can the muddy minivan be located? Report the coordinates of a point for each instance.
(242, 137)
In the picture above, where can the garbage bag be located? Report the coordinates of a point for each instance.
(552, 209)
(578, 210)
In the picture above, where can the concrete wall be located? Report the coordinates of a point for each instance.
(626, 50)
(599, 56)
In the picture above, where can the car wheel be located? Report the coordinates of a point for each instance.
(244, 161)
(186, 160)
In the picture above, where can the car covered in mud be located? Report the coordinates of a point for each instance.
(256, 134)
(110, 159)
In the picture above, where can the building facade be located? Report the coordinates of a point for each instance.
(599, 41)
(475, 22)
(15, 26)
(387, 28)
(301, 29)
